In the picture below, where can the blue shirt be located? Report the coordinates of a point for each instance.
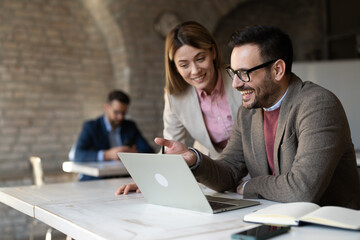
(100, 154)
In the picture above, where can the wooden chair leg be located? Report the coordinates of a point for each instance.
(48, 234)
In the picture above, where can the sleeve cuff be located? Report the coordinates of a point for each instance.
(100, 156)
(198, 159)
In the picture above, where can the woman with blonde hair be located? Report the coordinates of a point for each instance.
(199, 97)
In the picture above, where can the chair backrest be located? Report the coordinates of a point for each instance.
(38, 174)
(71, 154)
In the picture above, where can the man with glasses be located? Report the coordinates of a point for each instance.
(101, 139)
(291, 136)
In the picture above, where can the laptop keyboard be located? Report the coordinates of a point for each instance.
(219, 205)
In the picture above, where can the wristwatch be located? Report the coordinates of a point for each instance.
(198, 158)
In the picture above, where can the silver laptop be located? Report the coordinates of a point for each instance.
(165, 179)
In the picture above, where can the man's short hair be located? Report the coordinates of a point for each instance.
(119, 96)
(273, 43)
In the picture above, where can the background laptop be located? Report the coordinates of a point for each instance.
(165, 179)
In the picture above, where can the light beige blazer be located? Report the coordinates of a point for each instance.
(183, 116)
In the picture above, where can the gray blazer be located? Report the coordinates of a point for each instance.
(313, 153)
(183, 116)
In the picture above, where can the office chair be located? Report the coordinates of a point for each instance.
(38, 179)
(38, 174)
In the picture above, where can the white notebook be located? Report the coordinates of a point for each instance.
(298, 212)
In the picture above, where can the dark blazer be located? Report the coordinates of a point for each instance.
(314, 157)
(94, 137)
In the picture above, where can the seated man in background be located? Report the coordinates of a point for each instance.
(101, 139)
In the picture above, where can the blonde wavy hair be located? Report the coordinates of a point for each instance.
(187, 33)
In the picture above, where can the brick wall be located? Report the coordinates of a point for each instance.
(54, 73)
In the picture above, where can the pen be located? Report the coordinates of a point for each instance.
(162, 149)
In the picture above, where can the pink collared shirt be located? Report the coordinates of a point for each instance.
(217, 114)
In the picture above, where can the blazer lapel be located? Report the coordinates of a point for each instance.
(104, 136)
(294, 87)
(194, 111)
(258, 142)
(279, 134)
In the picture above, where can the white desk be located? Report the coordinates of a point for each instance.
(96, 169)
(91, 211)
(24, 199)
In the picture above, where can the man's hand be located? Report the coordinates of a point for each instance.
(174, 147)
(111, 154)
(240, 188)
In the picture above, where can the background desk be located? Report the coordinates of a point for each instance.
(91, 211)
(96, 169)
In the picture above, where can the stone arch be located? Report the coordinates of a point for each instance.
(113, 36)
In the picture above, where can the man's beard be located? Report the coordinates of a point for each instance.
(269, 93)
(115, 124)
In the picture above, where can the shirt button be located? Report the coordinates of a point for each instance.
(218, 118)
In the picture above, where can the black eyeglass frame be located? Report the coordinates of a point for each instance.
(232, 72)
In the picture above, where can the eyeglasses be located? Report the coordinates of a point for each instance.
(244, 74)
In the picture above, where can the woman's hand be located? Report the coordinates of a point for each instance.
(125, 189)
(173, 147)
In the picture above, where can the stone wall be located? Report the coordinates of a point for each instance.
(54, 72)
